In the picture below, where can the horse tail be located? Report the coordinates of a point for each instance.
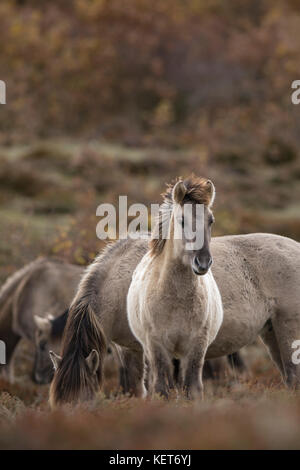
(83, 334)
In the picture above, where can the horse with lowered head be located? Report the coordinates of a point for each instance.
(31, 303)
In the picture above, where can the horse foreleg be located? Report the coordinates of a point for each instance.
(161, 369)
(193, 368)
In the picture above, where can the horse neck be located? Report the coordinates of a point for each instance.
(170, 266)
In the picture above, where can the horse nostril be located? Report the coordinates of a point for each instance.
(202, 266)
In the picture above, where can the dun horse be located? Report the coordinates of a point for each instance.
(174, 305)
(98, 317)
(43, 287)
(260, 297)
(31, 302)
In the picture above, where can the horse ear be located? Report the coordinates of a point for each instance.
(212, 191)
(43, 324)
(56, 359)
(93, 361)
(179, 191)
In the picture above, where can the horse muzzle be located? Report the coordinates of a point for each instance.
(201, 267)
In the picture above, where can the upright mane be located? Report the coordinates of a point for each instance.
(198, 190)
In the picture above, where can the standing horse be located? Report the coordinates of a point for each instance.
(174, 304)
(98, 317)
(174, 312)
(257, 275)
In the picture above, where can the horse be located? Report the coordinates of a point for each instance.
(256, 297)
(31, 303)
(98, 317)
(174, 304)
(179, 307)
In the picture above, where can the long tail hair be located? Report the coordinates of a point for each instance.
(83, 333)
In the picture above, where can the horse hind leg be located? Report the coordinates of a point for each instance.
(208, 372)
(237, 362)
(270, 341)
(132, 373)
(287, 331)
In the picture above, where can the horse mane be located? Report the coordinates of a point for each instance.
(199, 190)
(82, 334)
(58, 325)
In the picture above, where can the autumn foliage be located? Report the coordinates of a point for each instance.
(121, 68)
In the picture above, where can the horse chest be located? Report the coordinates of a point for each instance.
(175, 310)
(175, 321)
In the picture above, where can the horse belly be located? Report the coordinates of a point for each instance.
(240, 327)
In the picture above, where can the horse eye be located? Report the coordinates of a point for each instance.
(211, 220)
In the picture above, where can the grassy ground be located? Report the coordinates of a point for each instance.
(49, 192)
(250, 412)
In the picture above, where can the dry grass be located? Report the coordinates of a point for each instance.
(238, 416)
(253, 412)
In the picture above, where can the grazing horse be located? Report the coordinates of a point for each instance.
(174, 306)
(31, 302)
(43, 287)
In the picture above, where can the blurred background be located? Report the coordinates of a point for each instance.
(118, 97)
(109, 97)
